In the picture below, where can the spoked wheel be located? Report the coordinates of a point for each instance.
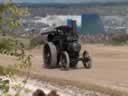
(50, 55)
(65, 61)
(87, 60)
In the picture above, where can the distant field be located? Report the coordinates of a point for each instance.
(72, 9)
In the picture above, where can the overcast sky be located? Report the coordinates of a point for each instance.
(65, 1)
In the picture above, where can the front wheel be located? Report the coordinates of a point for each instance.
(65, 61)
(87, 62)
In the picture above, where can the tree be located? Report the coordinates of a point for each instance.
(10, 16)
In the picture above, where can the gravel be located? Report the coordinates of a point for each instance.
(33, 85)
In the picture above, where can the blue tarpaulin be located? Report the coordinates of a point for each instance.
(91, 24)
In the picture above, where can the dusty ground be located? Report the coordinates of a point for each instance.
(110, 66)
(34, 84)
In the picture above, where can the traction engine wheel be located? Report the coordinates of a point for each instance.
(65, 61)
(87, 62)
(50, 55)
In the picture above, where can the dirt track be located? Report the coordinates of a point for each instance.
(110, 66)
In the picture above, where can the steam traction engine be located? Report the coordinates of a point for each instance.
(63, 49)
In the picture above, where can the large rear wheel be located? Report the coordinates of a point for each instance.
(50, 55)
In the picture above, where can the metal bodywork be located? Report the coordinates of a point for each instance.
(63, 48)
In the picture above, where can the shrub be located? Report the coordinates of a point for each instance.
(120, 39)
(36, 41)
(7, 45)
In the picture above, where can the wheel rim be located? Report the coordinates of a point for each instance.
(85, 54)
(88, 64)
(47, 55)
(64, 61)
(87, 60)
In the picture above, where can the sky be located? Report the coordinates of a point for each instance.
(64, 1)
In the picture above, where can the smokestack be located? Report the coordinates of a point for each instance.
(72, 23)
(74, 27)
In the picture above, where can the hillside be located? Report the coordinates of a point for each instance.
(76, 9)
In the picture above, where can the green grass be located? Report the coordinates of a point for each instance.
(25, 41)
